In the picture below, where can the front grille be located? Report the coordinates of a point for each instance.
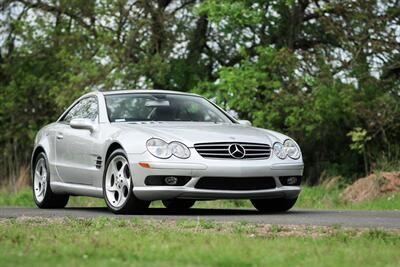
(236, 183)
(221, 150)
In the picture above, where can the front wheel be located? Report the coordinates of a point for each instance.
(117, 186)
(178, 204)
(274, 205)
(42, 194)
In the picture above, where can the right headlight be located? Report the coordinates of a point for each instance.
(179, 150)
(163, 150)
(158, 148)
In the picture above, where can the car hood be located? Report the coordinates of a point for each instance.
(192, 133)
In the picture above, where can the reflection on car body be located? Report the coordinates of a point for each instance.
(133, 147)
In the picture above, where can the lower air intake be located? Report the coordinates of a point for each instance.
(236, 183)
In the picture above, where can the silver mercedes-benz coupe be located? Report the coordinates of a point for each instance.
(133, 147)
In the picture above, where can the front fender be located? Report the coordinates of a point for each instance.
(133, 142)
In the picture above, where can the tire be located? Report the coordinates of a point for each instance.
(274, 205)
(118, 184)
(178, 204)
(42, 194)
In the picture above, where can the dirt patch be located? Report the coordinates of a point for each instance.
(392, 182)
(372, 186)
(331, 182)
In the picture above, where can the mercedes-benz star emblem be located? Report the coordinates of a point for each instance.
(237, 151)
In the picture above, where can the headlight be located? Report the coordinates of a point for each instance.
(158, 148)
(288, 148)
(291, 149)
(179, 150)
(161, 149)
(279, 150)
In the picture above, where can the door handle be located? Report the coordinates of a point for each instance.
(60, 136)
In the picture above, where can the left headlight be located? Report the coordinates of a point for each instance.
(279, 150)
(163, 150)
(292, 150)
(287, 149)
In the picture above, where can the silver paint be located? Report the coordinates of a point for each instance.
(72, 153)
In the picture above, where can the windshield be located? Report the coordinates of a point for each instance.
(162, 107)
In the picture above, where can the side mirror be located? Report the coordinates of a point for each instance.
(82, 124)
(233, 113)
(244, 122)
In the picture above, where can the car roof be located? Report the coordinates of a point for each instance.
(137, 91)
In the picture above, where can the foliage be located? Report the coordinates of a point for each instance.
(359, 138)
(315, 70)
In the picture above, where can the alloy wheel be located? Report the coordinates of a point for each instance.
(118, 181)
(40, 179)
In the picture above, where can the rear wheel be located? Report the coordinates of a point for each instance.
(178, 204)
(117, 186)
(274, 205)
(42, 194)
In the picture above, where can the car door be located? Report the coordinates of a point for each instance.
(76, 149)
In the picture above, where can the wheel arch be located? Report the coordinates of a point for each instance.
(111, 148)
(35, 154)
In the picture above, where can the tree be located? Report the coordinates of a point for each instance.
(313, 69)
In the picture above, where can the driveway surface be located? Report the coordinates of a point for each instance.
(348, 218)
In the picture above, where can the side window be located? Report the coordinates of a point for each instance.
(87, 108)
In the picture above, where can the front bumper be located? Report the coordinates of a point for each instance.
(198, 167)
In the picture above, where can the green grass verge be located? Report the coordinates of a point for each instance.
(310, 197)
(24, 198)
(318, 198)
(321, 198)
(114, 242)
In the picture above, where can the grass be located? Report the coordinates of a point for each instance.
(23, 198)
(104, 242)
(321, 198)
(310, 197)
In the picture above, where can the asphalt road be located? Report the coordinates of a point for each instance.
(384, 219)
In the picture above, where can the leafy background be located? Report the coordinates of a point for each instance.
(324, 72)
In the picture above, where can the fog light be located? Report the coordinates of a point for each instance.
(171, 180)
(291, 180)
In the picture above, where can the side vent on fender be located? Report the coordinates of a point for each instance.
(99, 161)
